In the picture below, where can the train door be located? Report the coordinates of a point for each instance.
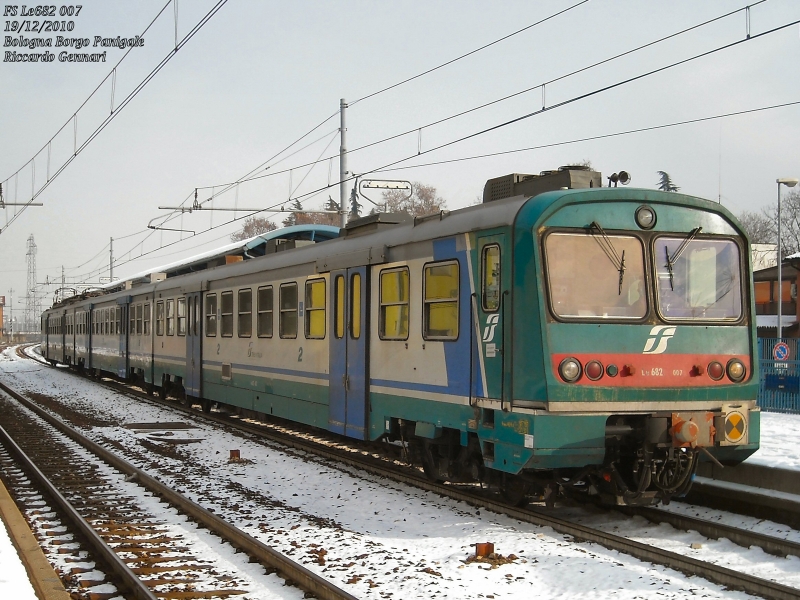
(63, 337)
(194, 358)
(90, 319)
(123, 368)
(489, 308)
(348, 352)
(46, 336)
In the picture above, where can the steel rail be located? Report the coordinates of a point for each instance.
(128, 577)
(690, 566)
(740, 537)
(305, 579)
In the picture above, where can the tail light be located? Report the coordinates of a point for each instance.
(594, 370)
(715, 370)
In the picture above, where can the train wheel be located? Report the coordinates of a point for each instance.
(515, 491)
(206, 405)
(429, 454)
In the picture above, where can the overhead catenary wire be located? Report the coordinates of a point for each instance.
(470, 53)
(554, 144)
(249, 176)
(595, 137)
(72, 119)
(538, 112)
(561, 104)
(387, 167)
(418, 129)
(122, 105)
(399, 83)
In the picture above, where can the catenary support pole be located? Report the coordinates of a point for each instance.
(111, 260)
(342, 167)
(780, 279)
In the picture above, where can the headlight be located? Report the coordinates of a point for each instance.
(570, 369)
(736, 369)
(645, 217)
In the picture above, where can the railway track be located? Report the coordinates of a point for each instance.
(132, 546)
(372, 463)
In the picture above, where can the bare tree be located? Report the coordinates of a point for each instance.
(423, 200)
(758, 226)
(790, 222)
(665, 184)
(252, 227)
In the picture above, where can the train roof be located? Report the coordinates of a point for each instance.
(250, 248)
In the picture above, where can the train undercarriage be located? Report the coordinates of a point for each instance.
(649, 459)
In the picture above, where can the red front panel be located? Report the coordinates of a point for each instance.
(654, 370)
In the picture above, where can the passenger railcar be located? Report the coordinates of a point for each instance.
(585, 338)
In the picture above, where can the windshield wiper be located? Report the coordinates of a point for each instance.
(677, 254)
(611, 252)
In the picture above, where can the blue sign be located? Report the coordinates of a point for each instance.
(780, 351)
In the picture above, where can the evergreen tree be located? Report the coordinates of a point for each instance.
(666, 185)
(292, 218)
(355, 206)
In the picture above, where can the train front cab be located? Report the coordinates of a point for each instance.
(633, 345)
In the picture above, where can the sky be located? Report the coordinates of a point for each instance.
(259, 75)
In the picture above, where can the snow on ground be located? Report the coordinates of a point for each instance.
(780, 441)
(373, 537)
(14, 581)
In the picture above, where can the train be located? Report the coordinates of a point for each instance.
(562, 336)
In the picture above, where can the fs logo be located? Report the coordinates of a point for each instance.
(491, 324)
(659, 337)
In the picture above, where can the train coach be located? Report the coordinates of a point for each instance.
(559, 336)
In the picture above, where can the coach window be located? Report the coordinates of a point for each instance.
(490, 265)
(315, 309)
(146, 322)
(338, 307)
(394, 304)
(132, 316)
(170, 317)
(287, 327)
(160, 317)
(226, 314)
(181, 316)
(244, 323)
(244, 326)
(264, 308)
(440, 294)
(139, 319)
(118, 320)
(211, 315)
(106, 321)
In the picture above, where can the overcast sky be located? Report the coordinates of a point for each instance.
(260, 74)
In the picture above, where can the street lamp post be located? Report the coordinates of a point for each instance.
(788, 182)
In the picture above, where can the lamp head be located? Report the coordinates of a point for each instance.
(787, 181)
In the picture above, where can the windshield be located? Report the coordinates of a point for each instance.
(596, 276)
(698, 279)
